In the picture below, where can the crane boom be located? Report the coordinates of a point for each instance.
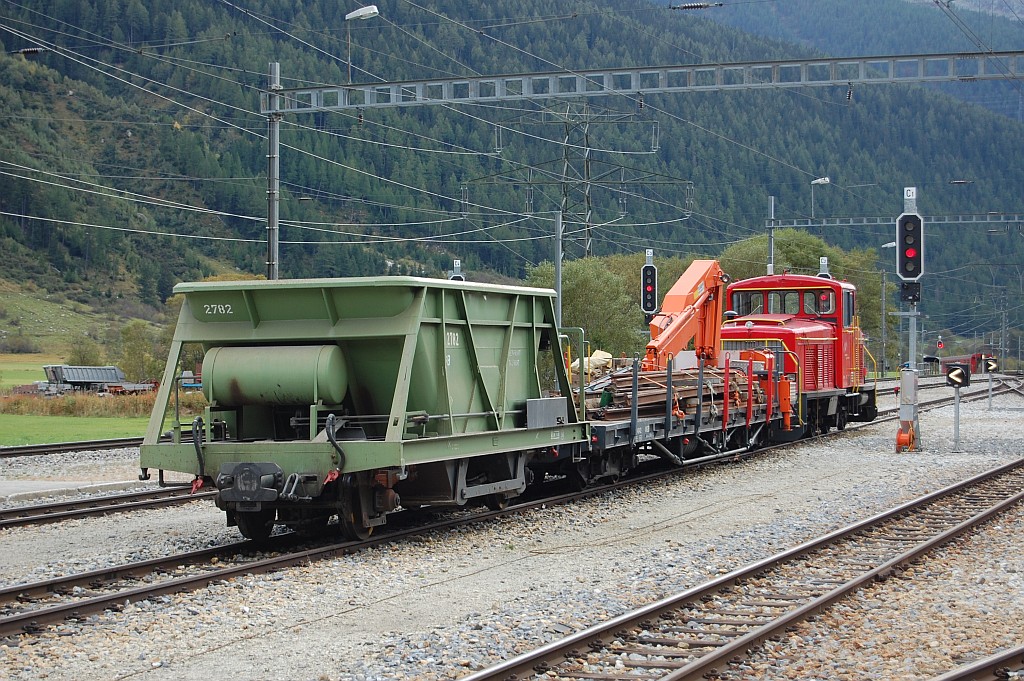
(692, 310)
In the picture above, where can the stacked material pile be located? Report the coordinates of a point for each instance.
(616, 393)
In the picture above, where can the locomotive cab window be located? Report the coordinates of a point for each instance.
(848, 308)
(820, 302)
(748, 302)
(784, 302)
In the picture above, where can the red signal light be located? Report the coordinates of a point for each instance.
(910, 260)
(649, 289)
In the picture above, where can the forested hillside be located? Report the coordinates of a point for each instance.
(133, 154)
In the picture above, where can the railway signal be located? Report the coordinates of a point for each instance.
(939, 344)
(910, 291)
(989, 365)
(909, 246)
(958, 375)
(649, 289)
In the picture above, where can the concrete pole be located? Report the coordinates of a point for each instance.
(273, 171)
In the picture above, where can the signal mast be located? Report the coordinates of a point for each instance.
(909, 268)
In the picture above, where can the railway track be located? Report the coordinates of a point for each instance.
(707, 629)
(38, 514)
(61, 447)
(26, 608)
(80, 446)
(1008, 664)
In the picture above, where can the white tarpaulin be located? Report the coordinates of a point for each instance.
(597, 361)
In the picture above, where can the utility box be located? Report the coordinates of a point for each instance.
(546, 412)
(908, 395)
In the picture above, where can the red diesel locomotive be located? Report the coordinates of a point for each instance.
(811, 324)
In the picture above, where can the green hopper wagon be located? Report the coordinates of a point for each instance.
(354, 397)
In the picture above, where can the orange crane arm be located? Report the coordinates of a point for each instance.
(692, 310)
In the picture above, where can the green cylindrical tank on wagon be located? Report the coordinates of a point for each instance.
(427, 388)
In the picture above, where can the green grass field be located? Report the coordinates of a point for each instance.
(28, 429)
(34, 420)
(16, 429)
(24, 369)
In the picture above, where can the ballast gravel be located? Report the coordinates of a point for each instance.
(442, 606)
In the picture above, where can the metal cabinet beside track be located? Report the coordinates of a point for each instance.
(353, 396)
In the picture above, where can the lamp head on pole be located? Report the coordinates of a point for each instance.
(368, 12)
(820, 180)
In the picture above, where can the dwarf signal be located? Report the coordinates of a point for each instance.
(958, 375)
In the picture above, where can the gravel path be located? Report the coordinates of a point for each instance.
(451, 603)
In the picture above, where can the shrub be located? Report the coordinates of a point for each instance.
(19, 345)
(89, 404)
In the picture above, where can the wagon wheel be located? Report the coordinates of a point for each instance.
(496, 502)
(255, 525)
(841, 419)
(350, 516)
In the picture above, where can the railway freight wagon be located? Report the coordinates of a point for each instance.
(358, 397)
(351, 397)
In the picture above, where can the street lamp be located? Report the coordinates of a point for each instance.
(363, 13)
(820, 180)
